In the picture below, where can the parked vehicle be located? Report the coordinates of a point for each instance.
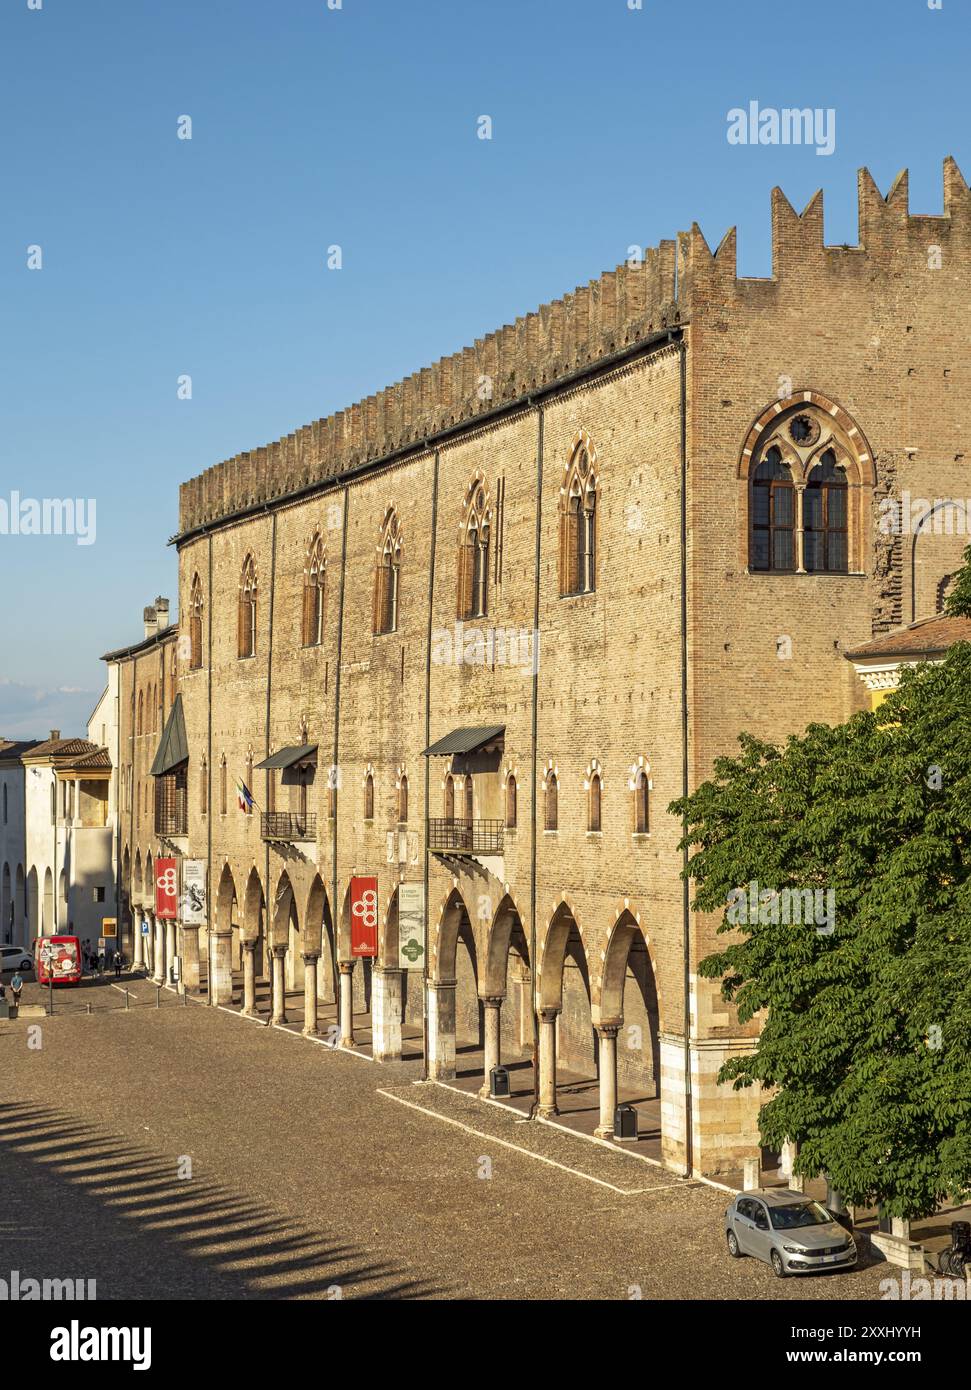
(956, 1259)
(58, 960)
(789, 1231)
(15, 958)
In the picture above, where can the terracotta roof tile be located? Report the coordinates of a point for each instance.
(926, 637)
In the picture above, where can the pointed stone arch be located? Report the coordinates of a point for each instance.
(506, 934)
(454, 918)
(630, 999)
(226, 900)
(285, 911)
(563, 936)
(319, 936)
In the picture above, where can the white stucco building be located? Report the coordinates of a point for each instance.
(70, 833)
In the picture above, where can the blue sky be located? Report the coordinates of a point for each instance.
(357, 126)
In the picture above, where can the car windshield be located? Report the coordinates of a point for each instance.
(799, 1214)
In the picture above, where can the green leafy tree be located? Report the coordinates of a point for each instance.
(959, 599)
(865, 1045)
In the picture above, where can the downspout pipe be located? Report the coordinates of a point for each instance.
(685, 772)
(534, 755)
(334, 773)
(270, 899)
(428, 739)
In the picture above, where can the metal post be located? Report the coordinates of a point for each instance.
(158, 996)
(126, 998)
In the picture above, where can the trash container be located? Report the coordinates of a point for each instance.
(625, 1122)
(498, 1083)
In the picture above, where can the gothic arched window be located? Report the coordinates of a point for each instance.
(773, 515)
(473, 564)
(195, 624)
(578, 534)
(825, 518)
(387, 576)
(552, 803)
(313, 594)
(246, 627)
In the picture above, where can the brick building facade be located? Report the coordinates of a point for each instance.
(608, 538)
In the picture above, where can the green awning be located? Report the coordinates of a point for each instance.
(288, 757)
(174, 746)
(465, 740)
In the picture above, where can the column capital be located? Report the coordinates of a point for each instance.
(548, 1015)
(347, 966)
(249, 947)
(279, 952)
(608, 1030)
(493, 1001)
(310, 957)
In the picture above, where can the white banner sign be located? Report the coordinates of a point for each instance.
(194, 903)
(411, 926)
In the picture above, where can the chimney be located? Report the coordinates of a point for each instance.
(162, 609)
(151, 622)
(55, 735)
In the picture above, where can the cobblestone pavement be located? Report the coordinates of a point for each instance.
(184, 1152)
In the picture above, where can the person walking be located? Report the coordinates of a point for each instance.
(118, 964)
(16, 986)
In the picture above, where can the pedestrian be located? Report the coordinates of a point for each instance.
(16, 985)
(101, 962)
(117, 965)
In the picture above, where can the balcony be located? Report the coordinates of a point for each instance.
(169, 823)
(288, 825)
(472, 837)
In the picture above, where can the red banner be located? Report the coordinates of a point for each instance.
(364, 917)
(166, 889)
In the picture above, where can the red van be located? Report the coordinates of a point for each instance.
(57, 960)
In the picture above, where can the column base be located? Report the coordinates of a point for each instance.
(547, 1112)
(249, 1013)
(309, 1032)
(604, 1132)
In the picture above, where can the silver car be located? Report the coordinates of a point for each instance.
(788, 1230)
(15, 958)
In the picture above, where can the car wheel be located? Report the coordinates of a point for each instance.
(734, 1249)
(778, 1267)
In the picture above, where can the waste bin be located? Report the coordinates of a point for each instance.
(498, 1083)
(625, 1122)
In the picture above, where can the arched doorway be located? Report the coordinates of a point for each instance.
(48, 917)
(568, 1053)
(6, 907)
(319, 936)
(33, 904)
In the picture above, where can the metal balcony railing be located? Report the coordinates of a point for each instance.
(288, 825)
(464, 836)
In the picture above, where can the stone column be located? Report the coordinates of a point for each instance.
(547, 1063)
(386, 1014)
(441, 1030)
(136, 946)
(169, 949)
(347, 1003)
(249, 979)
(190, 959)
(159, 953)
(800, 538)
(221, 967)
(491, 1018)
(607, 1066)
(310, 995)
(279, 1014)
